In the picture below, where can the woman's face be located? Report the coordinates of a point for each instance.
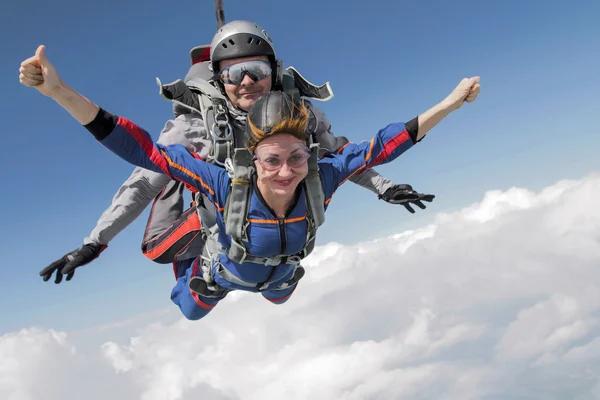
(281, 163)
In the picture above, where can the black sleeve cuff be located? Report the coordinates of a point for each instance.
(102, 125)
(412, 127)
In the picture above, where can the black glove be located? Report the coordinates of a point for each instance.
(67, 264)
(404, 194)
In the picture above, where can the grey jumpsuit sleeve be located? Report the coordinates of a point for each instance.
(143, 185)
(369, 179)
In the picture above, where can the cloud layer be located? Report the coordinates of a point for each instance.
(499, 300)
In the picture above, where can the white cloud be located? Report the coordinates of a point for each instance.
(546, 327)
(498, 300)
(23, 356)
(37, 364)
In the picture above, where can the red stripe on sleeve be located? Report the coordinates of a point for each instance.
(146, 145)
(390, 146)
(196, 155)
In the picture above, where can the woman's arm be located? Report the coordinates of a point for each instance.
(38, 72)
(133, 144)
(466, 91)
(395, 139)
(120, 135)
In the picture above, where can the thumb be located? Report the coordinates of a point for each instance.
(473, 81)
(40, 53)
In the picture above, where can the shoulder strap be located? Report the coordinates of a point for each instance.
(314, 188)
(213, 108)
(205, 87)
(315, 200)
(238, 203)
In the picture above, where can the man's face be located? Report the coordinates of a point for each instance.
(242, 96)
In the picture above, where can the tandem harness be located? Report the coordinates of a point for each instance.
(199, 95)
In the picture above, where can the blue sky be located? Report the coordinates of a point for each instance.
(534, 123)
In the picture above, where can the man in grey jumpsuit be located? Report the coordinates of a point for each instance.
(171, 233)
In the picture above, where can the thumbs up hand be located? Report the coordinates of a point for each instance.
(467, 91)
(38, 72)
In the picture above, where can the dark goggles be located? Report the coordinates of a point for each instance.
(256, 70)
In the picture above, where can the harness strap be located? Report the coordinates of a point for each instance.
(213, 107)
(314, 189)
(268, 261)
(207, 213)
(238, 203)
(221, 131)
(211, 263)
(225, 274)
(204, 87)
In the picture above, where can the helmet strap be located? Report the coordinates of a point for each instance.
(277, 75)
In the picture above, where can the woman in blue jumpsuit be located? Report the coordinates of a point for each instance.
(278, 208)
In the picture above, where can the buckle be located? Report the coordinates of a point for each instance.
(241, 248)
(273, 261)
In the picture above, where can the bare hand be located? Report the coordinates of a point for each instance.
(466, 91)
(37, 72)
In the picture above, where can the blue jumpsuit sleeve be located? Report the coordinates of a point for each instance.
(389, 143)
(133, 144)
